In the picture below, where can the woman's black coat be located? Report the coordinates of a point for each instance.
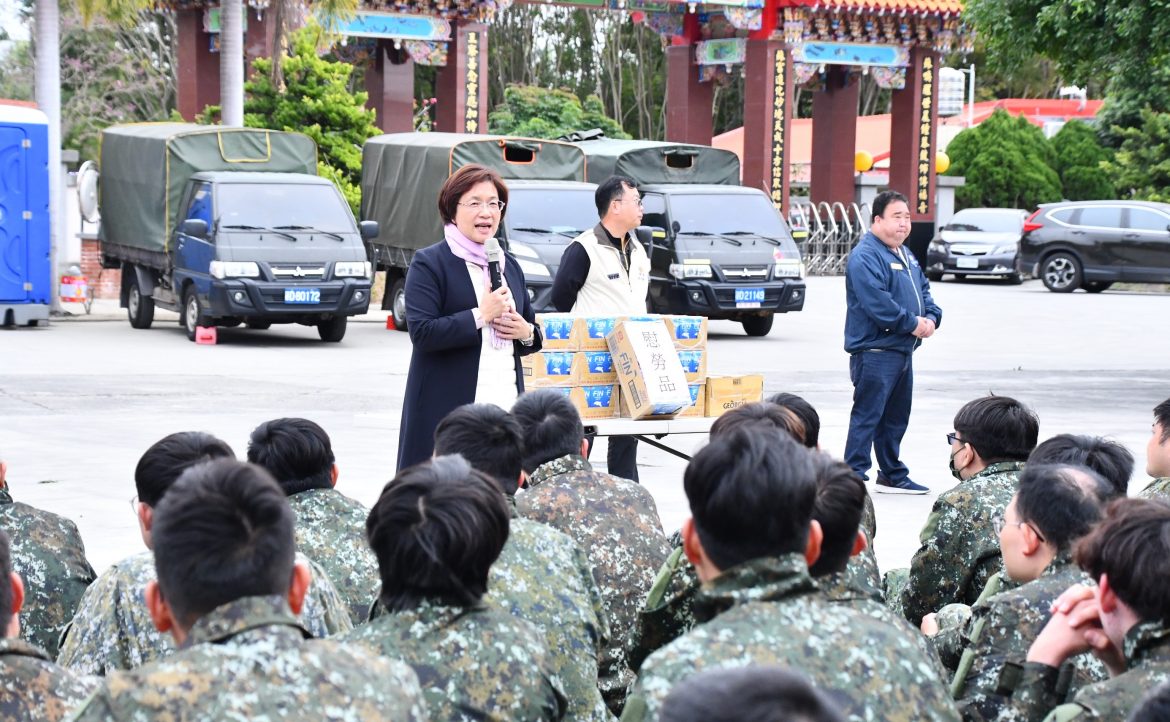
(444, 364)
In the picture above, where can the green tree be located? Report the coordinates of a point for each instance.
(316, 100)
(1007, 163)
(1079, 162)
(542, 113)
(1141, 168)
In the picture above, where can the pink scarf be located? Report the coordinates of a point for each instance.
(474, 253)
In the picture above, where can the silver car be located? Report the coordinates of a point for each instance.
(978, 242)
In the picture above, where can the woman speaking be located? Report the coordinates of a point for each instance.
(468, 339)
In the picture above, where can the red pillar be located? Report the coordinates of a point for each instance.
(688, 102)
(390, 84)
(461, 87)
(834, 137)
(912, 134)
(197, 67)
(260, 37)
(767, 119)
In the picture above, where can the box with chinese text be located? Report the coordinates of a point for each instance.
(648, 369)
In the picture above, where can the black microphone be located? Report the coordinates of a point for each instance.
(494, 256)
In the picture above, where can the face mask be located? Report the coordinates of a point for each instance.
(955, 472)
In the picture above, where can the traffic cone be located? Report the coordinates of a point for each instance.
(390, 323)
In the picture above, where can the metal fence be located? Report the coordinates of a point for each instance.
(832, 231)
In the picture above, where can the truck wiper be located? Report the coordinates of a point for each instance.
(567, 234)
(693, 233)
(289, 236)
(762, 237)
(331, 234)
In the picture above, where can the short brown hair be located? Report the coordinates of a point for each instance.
(1132, 546)
(765, 414)
(463, 180)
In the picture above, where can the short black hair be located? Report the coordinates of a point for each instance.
(5, 585)
(551, 425)
(839, 506)
(999, 428)
(751, 495)
(805, 412)
(1108, 458)
(609, 190)
(1132, 546)
(224, 531)
(748, 694)
(488, 437)
(436, 530)
(1061, 506)
(883, 200)
(164, 462)
(1154, 707)
(759, 414)
(297, 452)
(1162, 417)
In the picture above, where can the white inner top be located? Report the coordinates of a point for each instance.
(496, 383)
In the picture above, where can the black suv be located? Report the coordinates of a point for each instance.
(1093, 244)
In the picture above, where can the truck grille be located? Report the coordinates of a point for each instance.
(751, 274)
(283, 272)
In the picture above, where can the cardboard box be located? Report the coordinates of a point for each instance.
(687, 331)
(725, 393)
(551, 368)
(597, 368)
(561, 331)
(594, 330)
(595, 401)
(698, 399)
(649, 371)
(694, 363)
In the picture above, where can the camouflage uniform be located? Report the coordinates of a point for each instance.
(543, 577)
(249, 660)
(1159, 489)
(1003, 627)
(113, 629)
(331, 528)
(1038, 688)
(960, 549)
(473, 663)
(48, 554)
(770, 612)
(616, 524)
(33, 688)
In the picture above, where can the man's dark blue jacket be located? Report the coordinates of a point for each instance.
(885, 292)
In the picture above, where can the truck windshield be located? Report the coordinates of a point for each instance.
(566, 211)
(727, 214)
(281, 205)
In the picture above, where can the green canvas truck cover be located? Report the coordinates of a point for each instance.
(648, 162)
(145, 168)
(402, 174)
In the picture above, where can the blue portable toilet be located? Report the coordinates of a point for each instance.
(25, 275)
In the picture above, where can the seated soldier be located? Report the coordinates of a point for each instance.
(227, 591)
(751, 539)
(614, 521)
(1109, 459)
(46, 548)
(748, 694)
(112, 628)
(542, 576)
(1122, 620)
(331, 527)
(1052, 509)
(437, 529)
(1154, 707)
(1158, 455)
(33, 688)
(993, 436)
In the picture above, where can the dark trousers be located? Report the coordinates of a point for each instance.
(883, 384)
(622, 458)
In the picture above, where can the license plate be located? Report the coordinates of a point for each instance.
(967, 262)
(749, 297)
(302, 295)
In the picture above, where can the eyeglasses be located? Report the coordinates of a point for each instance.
(998, 522)
(134, 503)
(477, 206)
(953, 437)
(635, 200)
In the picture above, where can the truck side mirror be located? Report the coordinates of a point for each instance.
(645, 236)
(675, 226)
(194, 227)
(369, 230)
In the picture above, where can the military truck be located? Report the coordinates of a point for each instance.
(717, 249)
(549, 202)
(229, 226)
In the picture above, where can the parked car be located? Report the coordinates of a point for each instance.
(1093, 244)
(978, 242)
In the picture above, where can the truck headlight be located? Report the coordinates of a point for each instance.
(690, 270)
(532, 268)
(234, 269)
(352, 269)
(787, 269)
(523, 250)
